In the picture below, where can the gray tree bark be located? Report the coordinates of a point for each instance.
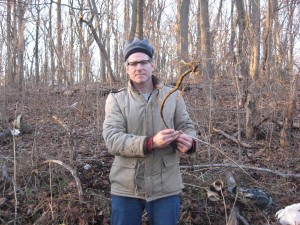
(250, 105)
(267, 40)
(205, 48)
(137, 20)
(285, 133)
(59, 55)
(36, 52)
(183, 23)
(8, 71)
(21, 8)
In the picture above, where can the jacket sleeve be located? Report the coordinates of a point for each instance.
(117, 140)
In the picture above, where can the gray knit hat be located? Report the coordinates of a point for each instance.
(138, 45)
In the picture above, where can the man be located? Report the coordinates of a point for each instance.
(145, 173)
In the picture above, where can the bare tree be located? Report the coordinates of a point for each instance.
(97, 35)
(278, 49)
(183, 27)
(59, 51)
(206, 60)
(267, 40)
(216, 23)
(71, 59)
(293, 31)
(109, 23)
(285, 133)
(232, 53)
(242, 40)
(36, 52)
(133, 20)
(52, 47)
(126, 20)
(139, 32)
(153, 12)
(255, 34)
(254, 66)
(81, 46)
(137, 20)
(9, 76)
(21, 8)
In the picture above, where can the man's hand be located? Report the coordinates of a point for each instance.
(184, 142)
(163, 138)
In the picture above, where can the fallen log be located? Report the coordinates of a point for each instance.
(281, 174)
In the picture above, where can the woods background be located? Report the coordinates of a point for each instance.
(59, 59)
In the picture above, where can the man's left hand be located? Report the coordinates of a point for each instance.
(184, 142)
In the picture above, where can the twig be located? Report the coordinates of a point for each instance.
(51, 192)
(284, 175)
(73, 172)
(61, 123)
(220, 151)
(232, 138)
(15, 172)
(241, 218)
(232, 216)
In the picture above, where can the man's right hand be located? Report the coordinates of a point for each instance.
(163, 138)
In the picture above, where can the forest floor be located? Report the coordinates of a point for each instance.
(61, 163)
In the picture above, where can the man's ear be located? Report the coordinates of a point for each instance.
(153, 66)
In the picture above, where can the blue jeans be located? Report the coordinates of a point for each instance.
(129, 211)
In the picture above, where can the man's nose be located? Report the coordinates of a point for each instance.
(139, 67)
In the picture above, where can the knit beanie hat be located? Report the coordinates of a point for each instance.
(138, 45)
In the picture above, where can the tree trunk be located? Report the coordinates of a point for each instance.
(182, 43)
(206, 61)
(242, 39)
(51, 44)
(216, 24)
(254, 64)
(292, 33)
(45, 75)
(59, 43)
(97, 35)
(71, 54)
(21, 41)
(255, 22)
(139, 20)
(8, 72)
(126, 20)
(267, 40)
(14, 43)
(81, 48)
(278, 50)
(133, 20)
(285, 134)
(36, 52)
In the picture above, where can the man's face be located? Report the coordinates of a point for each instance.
(139, 68)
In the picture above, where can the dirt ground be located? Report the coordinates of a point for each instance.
(61, 164)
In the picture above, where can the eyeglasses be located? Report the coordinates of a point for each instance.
(135, 63)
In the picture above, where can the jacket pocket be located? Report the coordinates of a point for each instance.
(171, 177)
(122, 174)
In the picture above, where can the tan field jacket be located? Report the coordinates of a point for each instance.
(129, 119)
